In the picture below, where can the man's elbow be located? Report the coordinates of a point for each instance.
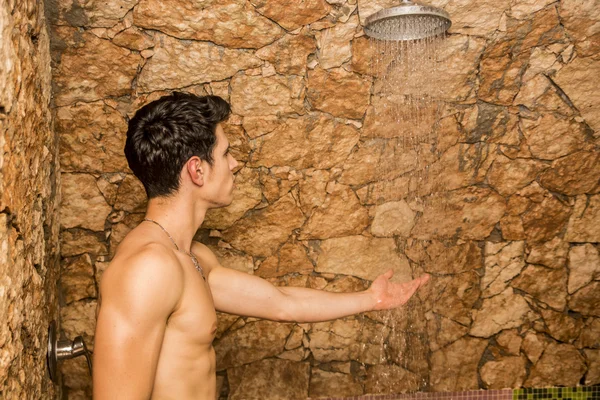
(282, 314)
(286, 310)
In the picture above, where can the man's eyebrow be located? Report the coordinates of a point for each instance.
(227, 149)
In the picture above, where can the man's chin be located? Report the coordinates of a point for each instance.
(223, 204)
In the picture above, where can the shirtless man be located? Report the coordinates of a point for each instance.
(156, 317)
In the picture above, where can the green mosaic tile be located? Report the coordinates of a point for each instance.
(558, 393)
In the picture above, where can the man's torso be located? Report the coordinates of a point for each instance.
(186, 362)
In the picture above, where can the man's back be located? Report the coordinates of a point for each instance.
(156, 323)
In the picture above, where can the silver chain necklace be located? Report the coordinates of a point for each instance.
(189, 253)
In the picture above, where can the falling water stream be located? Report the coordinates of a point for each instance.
(407, 96)
(407, 99)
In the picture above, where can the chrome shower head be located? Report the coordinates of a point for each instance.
(408, 21)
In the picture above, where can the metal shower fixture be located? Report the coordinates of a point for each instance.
(408, 21)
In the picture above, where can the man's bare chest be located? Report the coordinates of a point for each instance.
(195, 318)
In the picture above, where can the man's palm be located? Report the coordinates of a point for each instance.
(391, 295)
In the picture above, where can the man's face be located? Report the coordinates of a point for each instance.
(219, 175)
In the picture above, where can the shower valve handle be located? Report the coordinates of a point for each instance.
(64, 350)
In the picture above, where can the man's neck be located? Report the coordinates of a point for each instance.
(180, 217)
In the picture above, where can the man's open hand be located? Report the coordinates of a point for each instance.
(389, 295)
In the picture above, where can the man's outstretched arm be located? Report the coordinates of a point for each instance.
(238, 293)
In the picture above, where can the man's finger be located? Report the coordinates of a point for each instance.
(415, 284)
(423, 279)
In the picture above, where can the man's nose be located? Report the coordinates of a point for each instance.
(233, 163)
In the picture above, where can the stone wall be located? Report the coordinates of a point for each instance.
(512, 241)
(29, 259)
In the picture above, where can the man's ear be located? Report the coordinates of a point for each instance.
(195, 170)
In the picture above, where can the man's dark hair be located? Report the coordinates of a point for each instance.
(164, 134)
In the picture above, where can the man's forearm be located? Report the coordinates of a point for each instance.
(238, 293)
(311, 305)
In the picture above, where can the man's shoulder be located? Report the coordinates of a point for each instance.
(200, 247)
(205, 256)
(144, 283)
(146, 253)
(148, 260)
